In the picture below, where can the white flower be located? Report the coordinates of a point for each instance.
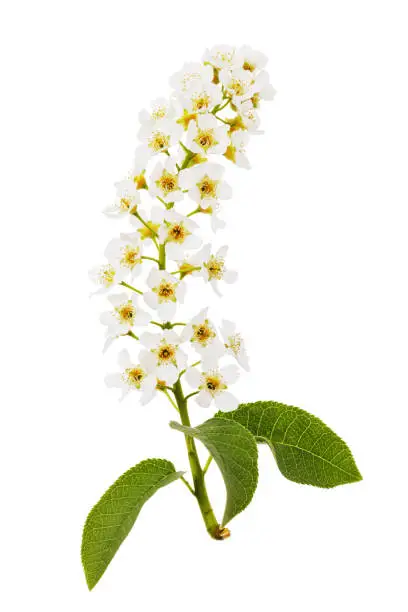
(213, 267)
(250, 117)
(207, 136)
(161, 108)
(127, 199)
(251, 60)
(204, 184)
(163, 357)
(189, 74)
(221, 56)
(201, 97)
(159, 137)
(263, 89)
(177, 231)
(236, 149)
(126, 253)
(164, 182)
(212, 386)
(200, 332)
(125, 316)
(240, 83)
(106, 276)
(133, 377)
(234, 343)
(165, 292)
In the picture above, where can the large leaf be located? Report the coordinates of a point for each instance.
(111, 519)
(234, 450)
(306, 450)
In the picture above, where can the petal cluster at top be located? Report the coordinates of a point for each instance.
(177, 183)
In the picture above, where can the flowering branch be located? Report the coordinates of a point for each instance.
(212, 111)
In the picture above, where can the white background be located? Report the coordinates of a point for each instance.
(318, 232)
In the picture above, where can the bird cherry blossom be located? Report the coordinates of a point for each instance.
(213, 385)
(186, 141)
(205, 184)
(165, 291)
(132, 377)
(163, 355)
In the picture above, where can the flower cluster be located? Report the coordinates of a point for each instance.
(212, 111)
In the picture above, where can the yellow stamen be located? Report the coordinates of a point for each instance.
(215, 267)
(159, 141)
(126, 313)
(203, 333)
(130, 256)
(134, 376)
(207, 187)
(167, 182)
(205, 139)
(165, 292)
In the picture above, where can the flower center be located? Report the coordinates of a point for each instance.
(224, 57)
(125, 204)
(207, 187)
(248, 66)
(167, 182)
(215, 267)
(201, 101)
(159, 112)
(206, 139)
(256, 98)
(238, 87)
(203, 333)
(126, 313)
(107, 275)
(159, 141)
(130, 256)
(234, 344)
(213, 382)
(134, 376)
(177, 233)
(165, 292)
(166, 354)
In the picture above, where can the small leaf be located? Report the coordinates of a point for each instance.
(234, 450)
(305, 449)
(111, 519)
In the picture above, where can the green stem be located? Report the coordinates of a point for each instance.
(131, 287)
(207, 465)
(192, 395)
(166, 393)
(222, 120)
(189, 487)
(193, 365)
(188, 158)
(192, 269)
(136, 214)
(151, 258)
(132, 335)
(214, 529)
(194, 212)
(219, 108)
(162, 256)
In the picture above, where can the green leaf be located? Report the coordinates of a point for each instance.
(305, 449)
(111, 519)
(234, 450)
